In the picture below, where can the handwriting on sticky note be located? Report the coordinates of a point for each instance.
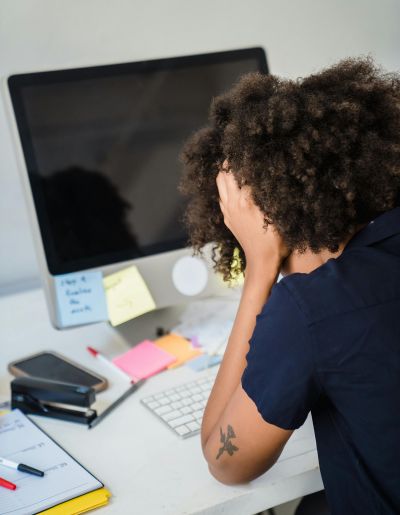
(80, 298)
(127, 295)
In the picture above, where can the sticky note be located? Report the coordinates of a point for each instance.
(80, 298)
(127, 295)
(144, 360)
(179, 347)
(195, 342)
(204, 361)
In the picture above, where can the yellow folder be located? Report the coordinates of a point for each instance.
(80, 504)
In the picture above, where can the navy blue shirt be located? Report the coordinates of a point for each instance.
(329, 342)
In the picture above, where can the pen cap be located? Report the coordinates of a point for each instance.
(53, 391)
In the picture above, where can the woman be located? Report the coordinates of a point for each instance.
(303, 178)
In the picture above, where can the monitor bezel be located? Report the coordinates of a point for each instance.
(15, 84)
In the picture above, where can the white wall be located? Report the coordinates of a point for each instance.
(300, 36)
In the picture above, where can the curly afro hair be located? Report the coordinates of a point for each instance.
(321, 155)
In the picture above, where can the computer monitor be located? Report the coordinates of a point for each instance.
(98, 149)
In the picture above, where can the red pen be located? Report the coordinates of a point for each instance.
(7, 484)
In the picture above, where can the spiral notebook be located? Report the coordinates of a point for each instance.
(23, 441)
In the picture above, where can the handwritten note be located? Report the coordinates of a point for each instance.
(80, 298)
(127, 295)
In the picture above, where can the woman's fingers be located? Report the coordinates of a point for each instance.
(231, 185)
(224, 214)
(222, 189)
(228, 187)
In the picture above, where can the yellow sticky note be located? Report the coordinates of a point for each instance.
(80, 504)
(127, 295)
(179, 347)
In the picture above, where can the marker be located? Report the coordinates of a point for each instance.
(7, 484)
(110, 364)
(21, 467)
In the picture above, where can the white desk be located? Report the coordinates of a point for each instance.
(147, 468)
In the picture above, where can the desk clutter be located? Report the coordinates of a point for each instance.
(197, 341)
(64, 486)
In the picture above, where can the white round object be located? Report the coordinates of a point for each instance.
(190, 275)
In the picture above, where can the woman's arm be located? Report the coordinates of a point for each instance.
(257, 285)
(229, 410)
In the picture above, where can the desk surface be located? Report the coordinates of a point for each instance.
(147, 468)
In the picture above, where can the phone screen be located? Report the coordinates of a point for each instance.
(50, 366)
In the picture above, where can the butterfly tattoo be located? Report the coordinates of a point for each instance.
(227, 445)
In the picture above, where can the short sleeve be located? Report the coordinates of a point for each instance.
(279, 376)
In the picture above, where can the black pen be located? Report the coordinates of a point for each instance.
(116, 403)
(21, 467)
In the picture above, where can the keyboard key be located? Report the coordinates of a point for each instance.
(172, 415)
(163, 409)
(193, 426)
(186, 409)
(163, 401)
(180, 421)
(197, 397)
(182, 430)
(177, 404)
(174, 397)
(153, 404)
(198, 414)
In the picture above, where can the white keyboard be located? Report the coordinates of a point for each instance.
(182, 408)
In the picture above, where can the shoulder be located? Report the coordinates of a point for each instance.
(350, 282)
(281, 323)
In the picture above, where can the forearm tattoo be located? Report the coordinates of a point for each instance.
(227, 445)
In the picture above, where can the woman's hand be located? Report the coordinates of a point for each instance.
(246, 222)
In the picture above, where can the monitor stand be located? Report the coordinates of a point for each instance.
(150, 325)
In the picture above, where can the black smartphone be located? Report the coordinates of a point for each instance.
(50, 365)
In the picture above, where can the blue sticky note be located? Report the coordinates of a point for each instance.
(204, 361)
(80, 298)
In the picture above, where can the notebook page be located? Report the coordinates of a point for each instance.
(23, 442)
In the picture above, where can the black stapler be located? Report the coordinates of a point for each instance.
(37, 396)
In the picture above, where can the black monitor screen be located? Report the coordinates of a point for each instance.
(101, 146)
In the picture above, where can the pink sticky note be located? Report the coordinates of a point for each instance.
(144, 360)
